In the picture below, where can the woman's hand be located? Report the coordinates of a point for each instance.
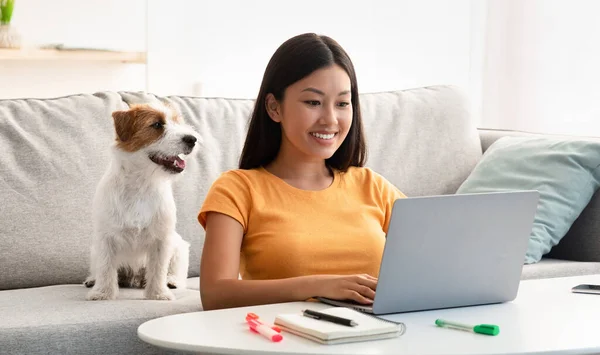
(358, 288)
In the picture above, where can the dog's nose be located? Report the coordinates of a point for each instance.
(189, 140)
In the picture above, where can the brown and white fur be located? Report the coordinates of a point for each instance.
(134, 216)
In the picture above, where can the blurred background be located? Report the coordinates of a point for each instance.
(529, 65)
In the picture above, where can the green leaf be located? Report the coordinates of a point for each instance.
(6, 9)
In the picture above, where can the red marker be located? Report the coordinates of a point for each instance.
(262, 329)
(255, 317)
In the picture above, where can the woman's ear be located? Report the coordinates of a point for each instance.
(273, 108)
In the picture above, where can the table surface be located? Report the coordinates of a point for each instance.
(545, 318)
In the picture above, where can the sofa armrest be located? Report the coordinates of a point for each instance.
(582, 241)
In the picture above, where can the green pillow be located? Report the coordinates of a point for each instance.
(565, 172)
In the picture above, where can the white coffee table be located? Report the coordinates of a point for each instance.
(546, 318)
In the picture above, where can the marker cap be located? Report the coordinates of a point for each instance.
(488, 329)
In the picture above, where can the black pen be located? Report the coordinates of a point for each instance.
(328, 317)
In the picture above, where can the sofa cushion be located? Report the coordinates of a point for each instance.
(193, 283)
(564, 171)
(582, 242)
(422, 140)
(58, 320)
(548, 268)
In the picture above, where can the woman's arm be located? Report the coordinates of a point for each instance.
(221, 288)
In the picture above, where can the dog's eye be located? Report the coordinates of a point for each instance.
(157, 125)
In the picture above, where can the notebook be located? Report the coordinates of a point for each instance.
(369, 327)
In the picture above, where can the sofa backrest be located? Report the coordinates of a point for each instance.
(54, 151)
(423, 140)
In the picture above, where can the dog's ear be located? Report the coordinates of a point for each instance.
(123, 124)
(175, 112)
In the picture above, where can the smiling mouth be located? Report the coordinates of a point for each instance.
(174, 164)
(324, 136)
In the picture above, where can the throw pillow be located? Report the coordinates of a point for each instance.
(564, 171)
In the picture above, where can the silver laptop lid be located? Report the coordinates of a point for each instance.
(454, 250)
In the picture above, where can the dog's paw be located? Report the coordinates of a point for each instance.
(89, 282)
(172, 282)
(162, 295)
(95, 295)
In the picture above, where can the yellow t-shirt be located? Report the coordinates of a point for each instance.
(291, 232)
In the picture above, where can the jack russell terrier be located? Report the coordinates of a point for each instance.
(134, 215)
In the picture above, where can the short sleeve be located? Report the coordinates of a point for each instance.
(389, 193)
(229, 195)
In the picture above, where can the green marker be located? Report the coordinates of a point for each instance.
(487, 329)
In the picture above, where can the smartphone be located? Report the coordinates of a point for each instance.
(595, 289)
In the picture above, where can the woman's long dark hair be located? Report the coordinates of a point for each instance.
(295, 59)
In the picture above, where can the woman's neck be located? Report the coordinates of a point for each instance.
(301, 173)
(287, 169)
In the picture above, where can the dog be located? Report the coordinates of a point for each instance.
(134, 214)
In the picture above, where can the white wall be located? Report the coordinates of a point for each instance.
(220, 48)
(541, 66)
(225, 45)
(111, 24)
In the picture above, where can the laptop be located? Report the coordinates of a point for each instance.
(452, 251)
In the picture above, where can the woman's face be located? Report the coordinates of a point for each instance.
(315, 114)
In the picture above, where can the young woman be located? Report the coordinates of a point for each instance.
(301, 217)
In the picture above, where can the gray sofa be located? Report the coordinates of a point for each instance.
(53, 152)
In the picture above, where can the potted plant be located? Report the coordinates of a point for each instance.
(9, 37)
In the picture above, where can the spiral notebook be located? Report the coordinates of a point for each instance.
(369, 327)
